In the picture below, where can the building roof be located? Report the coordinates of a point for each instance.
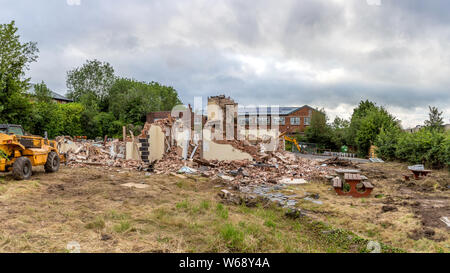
(54, 95)
(282, 111)
(57, 96)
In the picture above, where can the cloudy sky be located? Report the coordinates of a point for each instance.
(324, 53)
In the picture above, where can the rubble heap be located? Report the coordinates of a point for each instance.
(99, 153)
(273, 168)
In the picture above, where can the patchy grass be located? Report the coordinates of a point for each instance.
(364, 216)
(97, 224)
(123, 226)
(89, 206)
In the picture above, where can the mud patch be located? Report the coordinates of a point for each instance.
(428, 233)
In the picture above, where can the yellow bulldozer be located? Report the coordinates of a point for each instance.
(18, 152)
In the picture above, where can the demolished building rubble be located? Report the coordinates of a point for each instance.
(168, 145)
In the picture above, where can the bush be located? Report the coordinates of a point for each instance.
(370, 126)
(426, 147)
(386, 142)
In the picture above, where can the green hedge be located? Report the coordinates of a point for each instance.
(428, 147)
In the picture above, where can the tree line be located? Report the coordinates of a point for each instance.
(103, 102)
(374, 125)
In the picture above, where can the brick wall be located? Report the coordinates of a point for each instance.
(302, 113)
(157, 115)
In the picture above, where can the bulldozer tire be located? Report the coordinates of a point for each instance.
(22, 168)
(52, 164)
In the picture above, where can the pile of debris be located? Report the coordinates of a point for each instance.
(274, 168)
(167, 147)
(337, 161)
(98, 153)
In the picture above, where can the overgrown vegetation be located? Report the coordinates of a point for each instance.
(374, 125)
(103, 102)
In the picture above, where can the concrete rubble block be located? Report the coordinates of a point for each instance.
(292, 181)
(135, 185)
(157, 143)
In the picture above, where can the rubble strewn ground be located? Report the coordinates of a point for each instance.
(404, 214)
(183, 202)
(90, 206)
(278, 166)
(117, 210)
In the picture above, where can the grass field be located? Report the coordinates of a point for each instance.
(91, 207)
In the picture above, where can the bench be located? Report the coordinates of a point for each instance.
(337, 183)
(418, 173)
(353, 179)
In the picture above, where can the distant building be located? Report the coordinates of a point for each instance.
(289, 119)
(413, 130)
(418, 127)
(55, 96)
(60, 99)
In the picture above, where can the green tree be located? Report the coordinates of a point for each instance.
(70, 119)
(15, 58)
(370, 126)
(42, 92)
(435, 121)
(359, 113)
(131, 101)
(387, 142)
(424, 147)
(45, 119)
(366, 123)
(93, 80)
(339, 132)
(319, 131)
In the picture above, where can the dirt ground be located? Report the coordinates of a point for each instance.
(90, 206)
(403, 214)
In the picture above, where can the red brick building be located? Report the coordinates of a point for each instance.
(154, 116)
(289, 119)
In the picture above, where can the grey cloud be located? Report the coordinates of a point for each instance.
(330, 52)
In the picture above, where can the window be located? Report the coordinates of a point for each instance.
(243, 120)
(197, 119)
(278, 120)
(263, 120)
(307, 121)
(12, 130)
(295, 121)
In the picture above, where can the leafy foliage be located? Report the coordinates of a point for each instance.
(319, 131)
(93, 80)
(424, 147)
(56, 119)
(15, 58)
(387, 141)
(130, 100)
(42, 92)
(435, 121)
(339, 132)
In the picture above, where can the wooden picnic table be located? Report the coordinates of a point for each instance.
(418, 173)
(353, 179)
(342, 172)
